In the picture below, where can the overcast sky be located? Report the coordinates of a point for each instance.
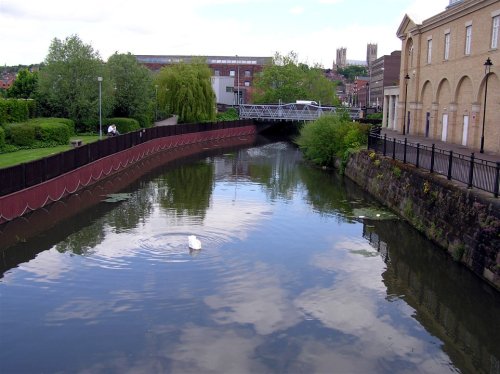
(314, 29)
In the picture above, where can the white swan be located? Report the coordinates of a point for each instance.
(194, 243)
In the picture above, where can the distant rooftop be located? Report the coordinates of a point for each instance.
(230, 60)
(356, 62)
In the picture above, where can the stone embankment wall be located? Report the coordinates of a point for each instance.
(463, 221)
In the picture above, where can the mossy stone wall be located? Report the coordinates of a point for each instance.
(466, 222)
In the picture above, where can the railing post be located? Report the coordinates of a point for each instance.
(432, 157)
(450, 164)
(404, 154)
(418, 154)
(385, 144)
(471, 170)
(393, 148)
(497, 180)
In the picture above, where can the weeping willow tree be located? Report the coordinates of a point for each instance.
(186, 90)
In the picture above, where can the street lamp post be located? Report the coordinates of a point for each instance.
(238, 83)
(407, 78)
(487, 68)
(156, 102)
(99, 79)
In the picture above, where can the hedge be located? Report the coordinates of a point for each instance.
(123, 125)
(15, 110)
(2, 138)
(20, 134)
(57, 133)
(70, 124)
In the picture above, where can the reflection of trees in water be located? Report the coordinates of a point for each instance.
(187, 189)
(446, 296)
(124, 216)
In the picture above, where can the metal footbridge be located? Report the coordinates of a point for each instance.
(290, 112)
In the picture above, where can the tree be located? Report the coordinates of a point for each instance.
(134, 91)
(68, 85)
(288, 80)
(24, 86)
(186, 90)
(353, 71)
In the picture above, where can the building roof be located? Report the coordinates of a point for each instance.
(229, 60)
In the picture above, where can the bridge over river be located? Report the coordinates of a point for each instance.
(290, 112)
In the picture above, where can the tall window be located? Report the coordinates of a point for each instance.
(494, 32)
(447, 46)
(468, 39)
(247, 73)
(429, 51)
(232, 73)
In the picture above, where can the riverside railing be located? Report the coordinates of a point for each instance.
(471, 170)
(19, 177)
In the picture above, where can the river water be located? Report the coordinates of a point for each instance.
(299, 272)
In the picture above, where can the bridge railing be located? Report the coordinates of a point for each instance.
(290, 112)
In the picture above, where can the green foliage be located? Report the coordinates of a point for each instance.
(396, 171)
(186, 90)
(20, 134)
(375, 115)
(229, 115)
(65, 121)
(134, 90)
(13, 110)
(2, 138)
(329, 137)
(68, 85)
(353, 71)
(288, 80)
(123, 125)
(24, 85)
(53, 133)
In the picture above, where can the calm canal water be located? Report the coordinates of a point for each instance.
(299, 272)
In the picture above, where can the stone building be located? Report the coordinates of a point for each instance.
(444, 74)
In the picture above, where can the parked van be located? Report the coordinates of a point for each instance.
(306, 102)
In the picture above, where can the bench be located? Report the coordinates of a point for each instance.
(76, 143)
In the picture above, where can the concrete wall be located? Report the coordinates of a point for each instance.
(464, 222)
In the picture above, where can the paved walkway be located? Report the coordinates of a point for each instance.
(456, 148)
(168, 122)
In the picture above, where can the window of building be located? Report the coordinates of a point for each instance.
(247, 83)
(248, 73)
(216, 72)
(231, 73)
(229, 89)
(447, 46)
(429, 51)
(494, 32)
(468, 39)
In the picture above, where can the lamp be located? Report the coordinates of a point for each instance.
(99, 79)
(407, 78)
(487, 69)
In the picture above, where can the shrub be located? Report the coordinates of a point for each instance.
(13, 110)
(70, 124)
(2, 138)
(329, 137)
(21, 134)
(54, 133)
(3, 112)
(229, 115)
(123, 125)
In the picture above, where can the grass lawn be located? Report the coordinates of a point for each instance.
(25, 155)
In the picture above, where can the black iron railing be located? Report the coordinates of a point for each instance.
(19, 177)
(472, 171)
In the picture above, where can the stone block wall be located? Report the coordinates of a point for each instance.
(466, 222)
